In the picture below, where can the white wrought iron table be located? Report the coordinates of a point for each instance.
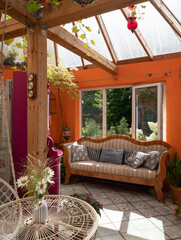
(68, 219)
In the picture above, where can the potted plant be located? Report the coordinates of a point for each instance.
(174, 178)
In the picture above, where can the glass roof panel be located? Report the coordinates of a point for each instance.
(175, 7)
(51, 51)
(95, 34)
(69, 58)
(157, 32)
(124, 41)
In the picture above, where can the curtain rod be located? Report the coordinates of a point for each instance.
(115, 78)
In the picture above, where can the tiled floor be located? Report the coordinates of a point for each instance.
(130, 212)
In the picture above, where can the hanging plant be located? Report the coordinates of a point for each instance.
(83, 3)
(61, 78)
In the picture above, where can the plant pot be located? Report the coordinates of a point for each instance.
(40, 211)
(176, 194)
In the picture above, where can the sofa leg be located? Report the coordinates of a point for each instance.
(158, 189)
(67, 178)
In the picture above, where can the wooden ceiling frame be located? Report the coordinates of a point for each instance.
(68, 11)
(17, 9)
(139, 36)
(106, 37)
(167, 15)
(75, 45)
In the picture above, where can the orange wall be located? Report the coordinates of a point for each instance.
(173, 94)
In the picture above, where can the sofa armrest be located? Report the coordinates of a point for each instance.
(67, 152)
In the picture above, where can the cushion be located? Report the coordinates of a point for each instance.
(79, 153)
(94, 154)
(153, 160)
(114, 156)
(137, 159)
(126, 156)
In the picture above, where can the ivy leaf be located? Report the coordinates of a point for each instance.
(33, 6)
(75, 29)
(80, 21)
(92, 50)
(19, 45)
(9, 41)
(93, 42)
(82, 36)
(85, 45)
(133, 13)
(88, 28)
(88, 54)
(143, 6)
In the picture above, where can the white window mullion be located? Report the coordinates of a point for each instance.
(104, 114)
(133, 113)
(80, 114)
(159, 110)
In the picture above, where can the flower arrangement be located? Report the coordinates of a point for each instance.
(38, 176)
(153, 127)
(89, 199)
(177, 210)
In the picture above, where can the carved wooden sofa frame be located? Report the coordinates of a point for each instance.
(157, 182)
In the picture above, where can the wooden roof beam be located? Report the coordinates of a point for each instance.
(17, 9)
(167, 15)
(75, 45)
(139, 36)
(106, 38)
(12, 29)
(68, 11)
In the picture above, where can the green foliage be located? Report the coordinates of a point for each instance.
(122, 128)
(119, 104)
(61, 78)
(89, 199)
(92, 129)
(174, 172)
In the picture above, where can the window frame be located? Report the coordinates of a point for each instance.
(160, 104)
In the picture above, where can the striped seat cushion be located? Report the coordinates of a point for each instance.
(109, 168)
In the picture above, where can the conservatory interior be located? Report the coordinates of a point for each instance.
(90, 119)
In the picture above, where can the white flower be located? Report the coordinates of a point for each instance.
(139, 132)
(153, 126)
(48, 174)
(40, 204)
(41, 186)
(22, 181)
(152, 137)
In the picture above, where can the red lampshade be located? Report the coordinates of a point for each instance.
(132, 24)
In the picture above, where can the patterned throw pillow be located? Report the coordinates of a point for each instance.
(94, 154)
(126, 156)
(137, 159)
(79, 153)
(153, 160)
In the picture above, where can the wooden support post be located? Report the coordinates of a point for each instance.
(37, 107)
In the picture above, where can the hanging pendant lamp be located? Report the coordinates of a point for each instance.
(83, 3)
(132, 24)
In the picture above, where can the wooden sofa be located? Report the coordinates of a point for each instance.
(122, 173)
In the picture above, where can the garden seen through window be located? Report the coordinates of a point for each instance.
(132, 111)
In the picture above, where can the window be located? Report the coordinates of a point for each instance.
(132, 111)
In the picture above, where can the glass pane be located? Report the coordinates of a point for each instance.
(146, 113)
(124, 42)
(92, 102)
(175, 7)
(119, 111)
(157, 32)
(69, 58)
(51, 51)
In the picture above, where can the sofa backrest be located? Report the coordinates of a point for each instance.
(124, 142)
